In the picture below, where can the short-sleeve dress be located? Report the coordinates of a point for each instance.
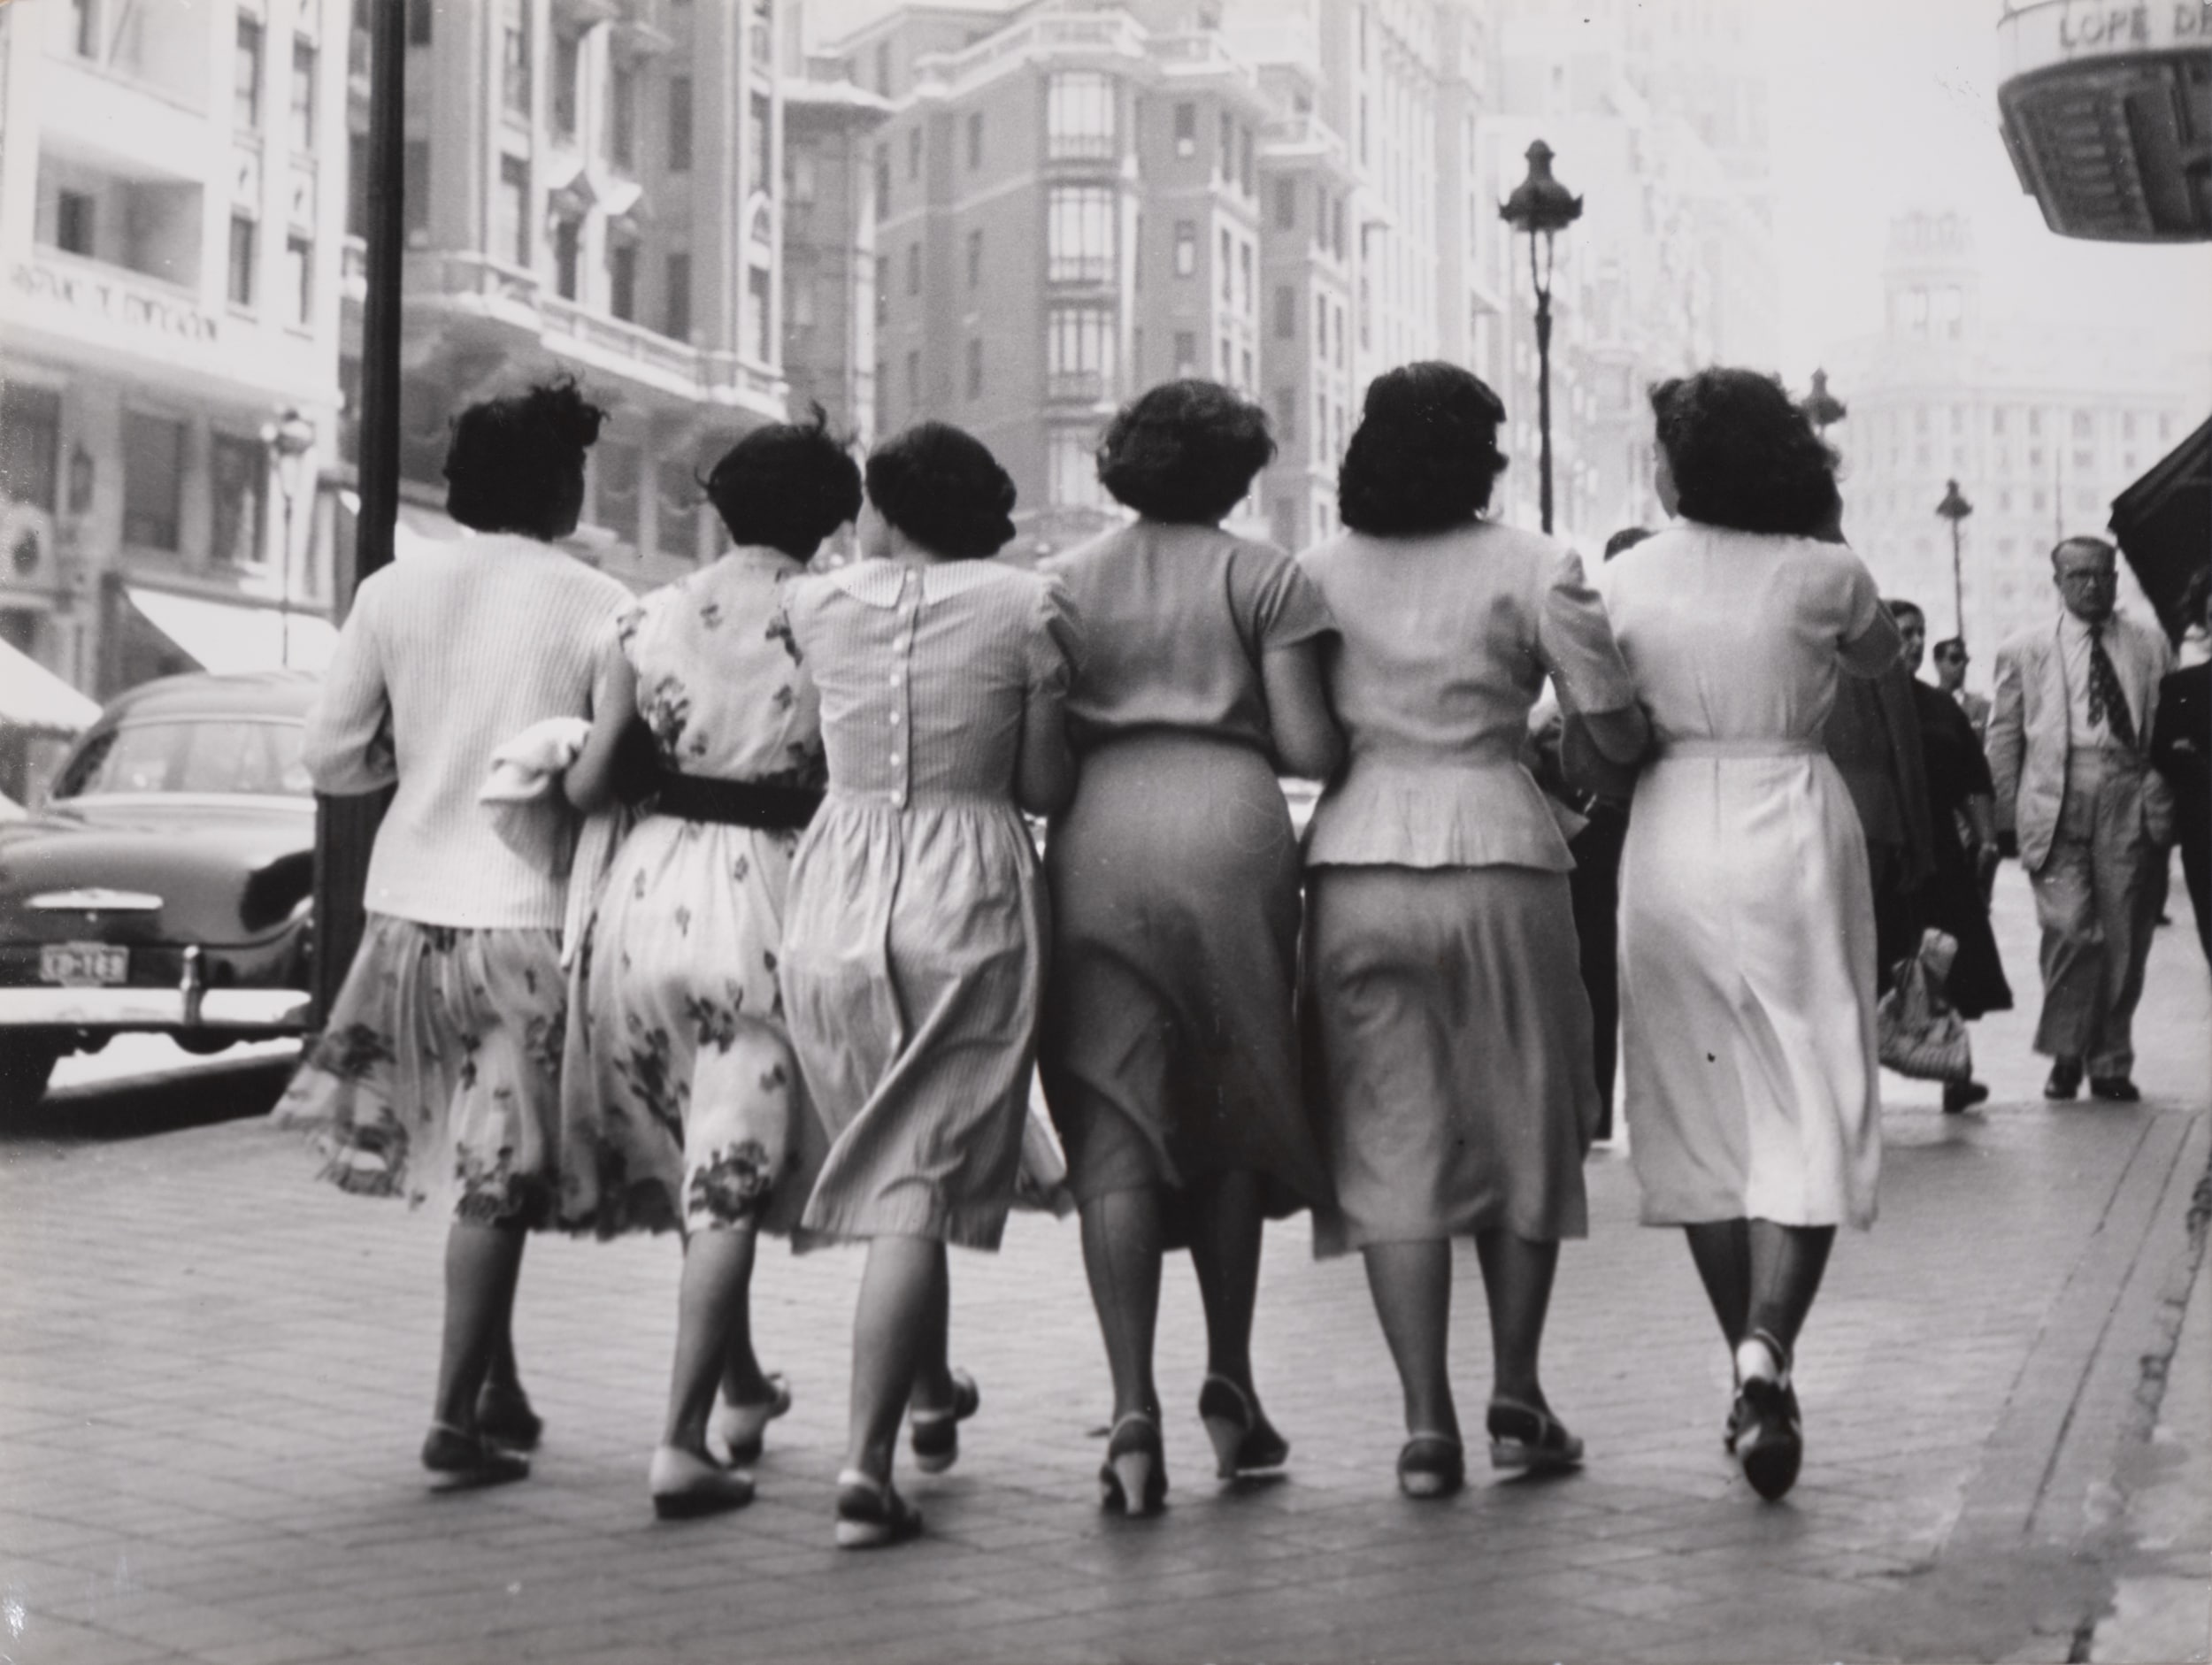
(1747, 917)
(1448, 1027)
(1169, 1051)
(681, 1107)
(914, 938)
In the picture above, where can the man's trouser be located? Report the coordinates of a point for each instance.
(2096, 902)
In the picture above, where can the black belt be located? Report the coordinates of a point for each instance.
(734, 802)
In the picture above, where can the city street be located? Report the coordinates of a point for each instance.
(214, 1375)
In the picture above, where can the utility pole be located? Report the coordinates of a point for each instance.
(345, 828)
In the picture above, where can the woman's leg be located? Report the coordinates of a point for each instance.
(710, 1306)
(1225, 1225)
(1121, 1253)
(1786, 1264)
(1722, 1250)
(482, 1265)
(744, 1381)
(1516, 1275)
(903, 1297)
(1412, 1286)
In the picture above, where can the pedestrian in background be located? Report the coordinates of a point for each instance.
(1449, 1030)
(2070, 734)
(1872, 736)
(2181, 751)
(1169, 1054)
(1746, 913)
(1951, 660)
(683, 1107)
(1963, 836)
(437, 1075)
(914, 941)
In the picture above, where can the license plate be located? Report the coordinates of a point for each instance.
(83, 964)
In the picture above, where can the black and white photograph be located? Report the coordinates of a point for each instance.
(1105, 832)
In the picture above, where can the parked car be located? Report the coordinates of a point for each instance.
(167, 883)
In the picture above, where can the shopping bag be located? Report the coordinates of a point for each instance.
(1917, 1032)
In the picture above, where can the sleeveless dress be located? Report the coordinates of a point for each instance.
(914, 942)
(681, 1105)
(1168, 1052)
(1746, 915)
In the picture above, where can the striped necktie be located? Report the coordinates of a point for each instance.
(2107, 701)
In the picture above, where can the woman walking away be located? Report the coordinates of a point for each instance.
(436, 1077)
(1962, 838)
(914, 942)
(1746, 915)
(1449, 1028)
(681, 1101)
(1168, 1052)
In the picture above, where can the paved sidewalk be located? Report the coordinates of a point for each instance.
(213, 1377)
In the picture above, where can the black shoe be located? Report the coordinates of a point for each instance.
(1958, 1096)
(460, 1462)
(2115, 1089)
(504, 1417)
(934, 1435)
(2065, 1079)
(1770, 1441)
(1244, 1441)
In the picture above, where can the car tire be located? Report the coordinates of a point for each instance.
(27, 1064)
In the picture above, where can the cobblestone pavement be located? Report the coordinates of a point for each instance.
(214, 1376)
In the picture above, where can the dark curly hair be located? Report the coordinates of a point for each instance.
(942, 486)
(1184, 451)
(1743, 455)
(1425, 452)
(517, 463)
(787, 485)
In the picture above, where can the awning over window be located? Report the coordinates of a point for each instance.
(2163, 524)
(221, 637)
(33, 697)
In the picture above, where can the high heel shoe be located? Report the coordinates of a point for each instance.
(505, 1416)
(870, 1513)
(1535, 1441)
(1243, 1439)
(685, 1485)
(463, 1461)
(1771, 1431)
(934, 1435)
(1432, 1466)
(738, 1429)
(1134, 1479)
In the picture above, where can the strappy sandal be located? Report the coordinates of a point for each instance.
(463, 1461)
(1134, 1478)
(1770, 1429)
(1531, 1440)
(1244, 1441)
(934, 1435)
(737, 1429)
(871, 1514)
(685, 1484)
(1432, 1466)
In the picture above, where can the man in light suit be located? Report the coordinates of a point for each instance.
(2069, 750)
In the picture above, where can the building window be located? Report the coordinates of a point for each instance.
(246, 76)
(914, 268)
(616, 468)
(914, 151)
(679, 311)
(514, 60)
(1080, 235)
(244, 233)
(1228, 269)
(2084, 425)
(153, 479)
(975, 258)
(801, 184)
(1320, 328)
(1245, 288)
(1244, 179)
(1080, 352)
(622, 279)
(1080, 116)
(756, 142)
(757, 299)
(975, 140)
(975, 366)
(1073, 470)
(1136, 358)
(680, 124)
(30, 445)
(568, 52)
(510, 211)
(74, 217)
(414, 169)
(1244, 370)
(676, 522)
(1997, 421)
(299, 278)
(1224, 345)
(236, 520)
(567, 249)
(1186, 248)
(1286, 311)
(622, 117)
(913, 382)
(1286, 204)
(1226, 159)
(883, 290)
(1187, 130)
(303, 135)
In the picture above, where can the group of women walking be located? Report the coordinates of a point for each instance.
(807, 992)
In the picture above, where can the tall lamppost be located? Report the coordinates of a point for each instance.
(1822, 406)
(287, 439)
(1955, 509)
(1541, 206)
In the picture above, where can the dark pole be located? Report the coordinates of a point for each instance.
(1540, 206)
(1543, 384)
(345, 828)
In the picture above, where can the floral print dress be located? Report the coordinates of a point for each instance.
(681, 1107)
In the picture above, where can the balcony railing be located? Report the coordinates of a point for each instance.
(1114, 34)
(1078, 386)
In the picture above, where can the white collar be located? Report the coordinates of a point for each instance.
(879, 583)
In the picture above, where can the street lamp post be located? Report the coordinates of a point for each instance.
(287, 439)
(1822, 406)
(1955, 509)
(1542, 207)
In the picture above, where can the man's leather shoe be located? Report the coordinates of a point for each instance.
(2065, 1079)
(2116, 1089)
